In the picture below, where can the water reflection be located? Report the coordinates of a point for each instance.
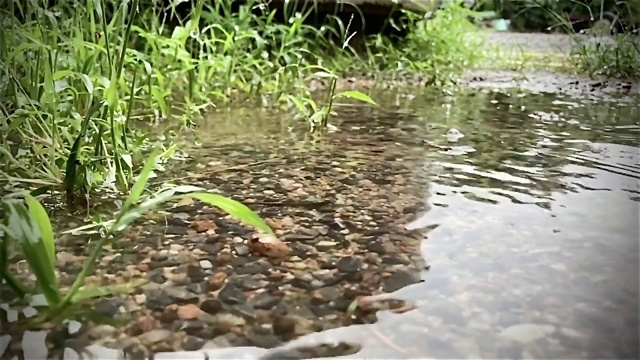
(533, 217)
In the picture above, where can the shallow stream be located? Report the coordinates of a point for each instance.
(519, 239)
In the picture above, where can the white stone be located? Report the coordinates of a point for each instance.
(206, 264)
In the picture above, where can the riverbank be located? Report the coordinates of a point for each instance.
(540, 62)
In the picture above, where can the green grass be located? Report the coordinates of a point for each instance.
(618, 58)
(75, 79)
(27, 229)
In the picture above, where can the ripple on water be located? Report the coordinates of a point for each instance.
(532, 223)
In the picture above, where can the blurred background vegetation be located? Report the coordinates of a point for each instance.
(549, 15)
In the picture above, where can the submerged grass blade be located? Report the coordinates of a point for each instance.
(141, 182)
(356, 95)
(235, 209)
(85, 293)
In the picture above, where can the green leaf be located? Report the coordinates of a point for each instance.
(159, 97)
(6, 246)
(135, 212)
(235, 209)
(88, 84)
(141, 183)
(40, 217)
(21, 227)
(90, 292)
(74, 154)
(354, 94)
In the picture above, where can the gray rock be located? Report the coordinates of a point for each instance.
(217, 343)
(180, 294)
(298, 237)
(231, 294)
(195, 273)
(348, 264)
(176, 230)
(206, 264)
(241, 249)
(262, 337)
(212, 249)
(102, 331)
(211, 306)
(108, 307)
(376, 247)
(245, 311)
(157, 300)
(329, 293)
(264, 301)
(252, 284)
(192, 343)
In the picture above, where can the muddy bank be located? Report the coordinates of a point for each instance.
(538, 81)
(548, 82)
(533, 81)
(512, 44)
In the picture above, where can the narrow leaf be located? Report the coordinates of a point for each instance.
(89, 292)
(354, 94)
(141, 182)
(235, 209)
(23, 229)
(40, 217)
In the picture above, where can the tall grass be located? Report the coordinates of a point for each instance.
(76, 77)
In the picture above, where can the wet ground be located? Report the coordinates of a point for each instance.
(518, 240)
(539, 62)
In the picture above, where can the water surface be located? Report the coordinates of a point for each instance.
(534, 219)
(531, 218)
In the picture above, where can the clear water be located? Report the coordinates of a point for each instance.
(533, 218)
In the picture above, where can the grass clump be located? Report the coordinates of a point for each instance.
(76, 77)
(26, 230)
(438, 47)
(616, 57)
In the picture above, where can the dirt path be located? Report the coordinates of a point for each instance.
(532, 42)
(558, 46)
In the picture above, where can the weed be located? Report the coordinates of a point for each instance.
(76, 78)
(27, 227)
(617, 56)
